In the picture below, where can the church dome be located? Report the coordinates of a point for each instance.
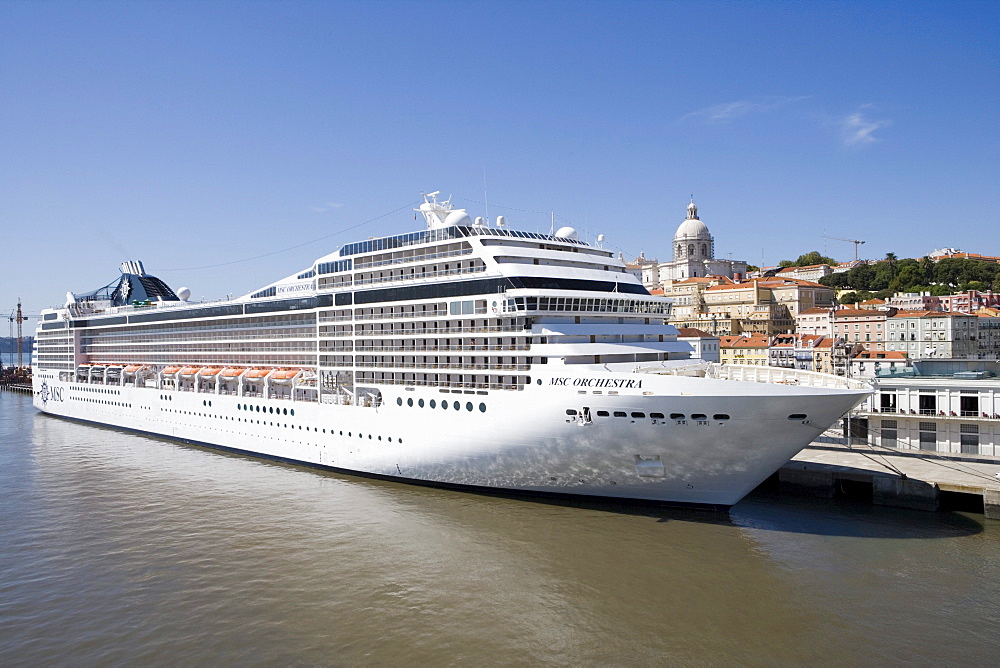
(692, 227)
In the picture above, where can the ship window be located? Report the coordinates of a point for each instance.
(433, 403)
(677, 416)
(409, 402)
(699, 416)
(720, 416)
(602, 414)
(570, 411)
(482, 408)
(457, 406)
(286, 411)
(797, 416)
(399, 401)
(468, 406)
(420, 402)
(444, 405)
(658, 416)
(638, 415)
(292, 412)
(621, 414)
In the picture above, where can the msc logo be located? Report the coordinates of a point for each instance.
(53, 393)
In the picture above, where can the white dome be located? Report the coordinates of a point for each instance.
(692, 228)
(567, 233)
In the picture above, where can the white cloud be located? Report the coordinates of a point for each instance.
(728, 111)
(326, 206)
(856, 129)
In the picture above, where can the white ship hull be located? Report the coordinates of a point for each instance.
(516, 441)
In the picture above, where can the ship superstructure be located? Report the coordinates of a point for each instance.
(467, 353)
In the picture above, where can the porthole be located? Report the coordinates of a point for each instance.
(482, 408)
(456, 405)
(539, 381)
(638, 415)
(621, 414)
(656, 416)
(720, 416)
(797, 416)
(677, 416)
(602, 414)
(468, 406)
(699, 416)
(270, 409)
(286, 411)
(444, 405)
(409, 402)
(420, 402)
(433, 403)
(570, 411)
(399, 401)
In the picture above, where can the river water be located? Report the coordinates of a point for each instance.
(124, 549)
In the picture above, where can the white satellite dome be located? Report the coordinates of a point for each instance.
(184, 294)
(568, 233)
(458, 217)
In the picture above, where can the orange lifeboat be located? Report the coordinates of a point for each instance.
(209, 371)
(233, 372)
(171, 371)
(257, 374)
(131, 369)
(190, 370)
(285, 376)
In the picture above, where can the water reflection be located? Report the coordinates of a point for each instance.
(122, 548)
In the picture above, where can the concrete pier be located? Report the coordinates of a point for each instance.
(924, 481)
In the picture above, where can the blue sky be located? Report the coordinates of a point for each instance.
(196, 134)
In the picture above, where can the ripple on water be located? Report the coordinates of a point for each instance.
(116, 548)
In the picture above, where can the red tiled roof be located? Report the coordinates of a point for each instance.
(693, 333)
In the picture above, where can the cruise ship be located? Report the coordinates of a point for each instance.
(467, 354)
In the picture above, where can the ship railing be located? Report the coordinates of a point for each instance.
(411, 365)
(467, 386)
(422, 349)
(437, 330)
(405, 314)
(429, 275)
(415, 258)
(783, 376)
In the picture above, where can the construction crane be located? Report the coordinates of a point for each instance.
(18, 317)
(856, 242)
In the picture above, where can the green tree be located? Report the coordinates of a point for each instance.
(906, 278)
